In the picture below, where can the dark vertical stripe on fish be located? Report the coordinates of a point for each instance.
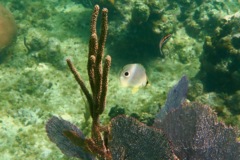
(162, 42)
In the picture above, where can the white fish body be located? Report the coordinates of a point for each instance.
(133, 75)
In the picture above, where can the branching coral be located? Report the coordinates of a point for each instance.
(98, 76)
(98, 80)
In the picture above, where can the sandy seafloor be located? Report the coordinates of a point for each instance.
(36, 84)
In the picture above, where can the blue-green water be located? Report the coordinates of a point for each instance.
(35, 82)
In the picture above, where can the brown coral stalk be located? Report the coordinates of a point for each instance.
(80, 81)
(98, 79)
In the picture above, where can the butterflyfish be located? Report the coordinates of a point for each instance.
(133, 75)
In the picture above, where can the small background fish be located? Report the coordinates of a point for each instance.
(133, 75)
(162, 42)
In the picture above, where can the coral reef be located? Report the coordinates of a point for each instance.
(141, 23)
(220, 59)
(219, 71)
(192, 130)
(35, 83)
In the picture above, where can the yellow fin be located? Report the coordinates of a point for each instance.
(148, 84)
(135, 89)
(111, 1)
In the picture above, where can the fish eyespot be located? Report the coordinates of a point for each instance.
(126, 74)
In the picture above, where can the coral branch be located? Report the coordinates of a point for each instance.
(98, 79)
(80, 81)
(94, 19)
(103, 36)
(106, 69)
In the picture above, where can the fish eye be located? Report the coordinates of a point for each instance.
(126, 74)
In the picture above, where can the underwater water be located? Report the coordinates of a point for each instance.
(35, 82)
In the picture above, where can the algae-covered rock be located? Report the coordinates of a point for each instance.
(234, 103)
(220, 59)
(44, 48)
(140, 13)
(36, 39)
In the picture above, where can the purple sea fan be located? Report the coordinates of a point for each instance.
(193, 128)
(133, 140)
(55, 128)
(195, 134)
(175, 98)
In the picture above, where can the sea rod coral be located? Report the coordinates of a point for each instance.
(98, 77)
